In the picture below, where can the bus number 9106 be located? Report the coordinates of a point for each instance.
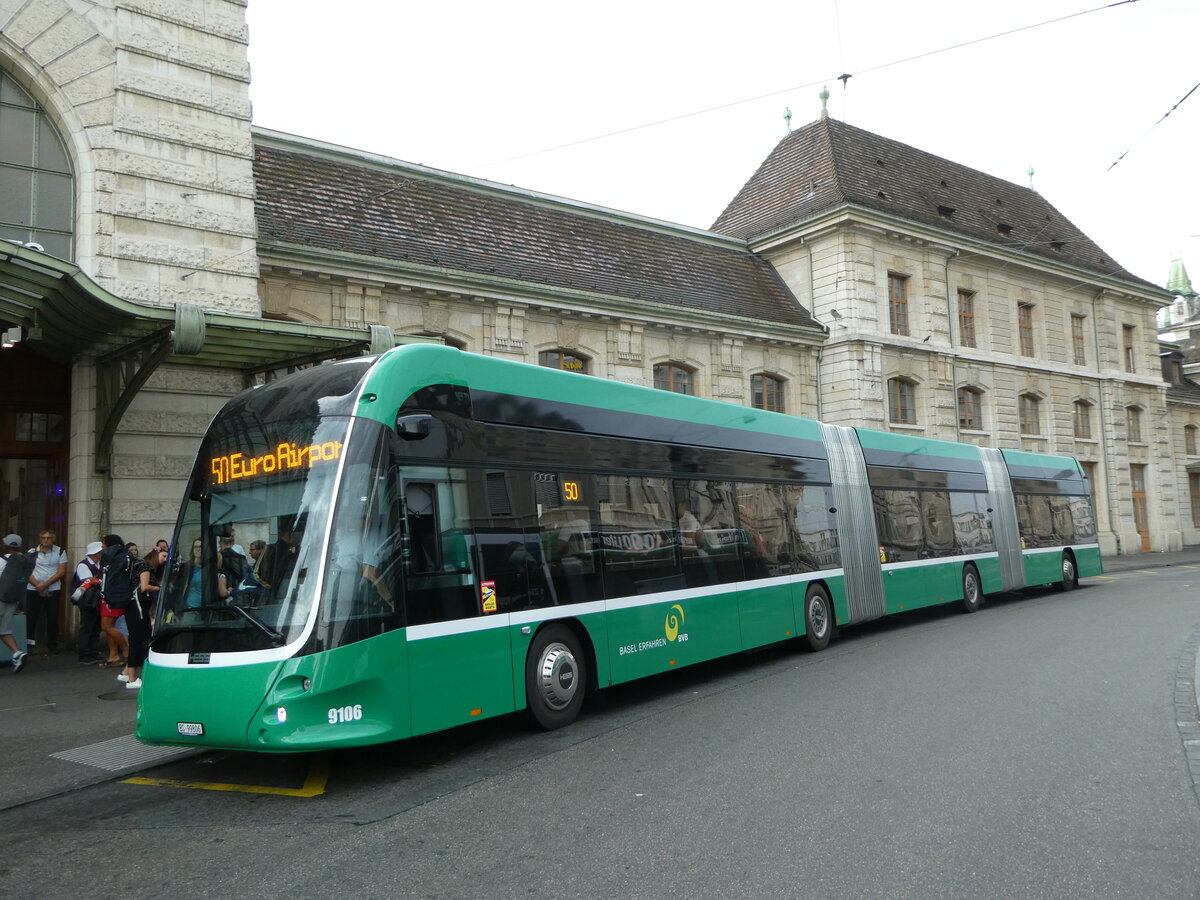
(345, 714)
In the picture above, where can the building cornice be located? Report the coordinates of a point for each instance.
(949, 242)
(362, 267)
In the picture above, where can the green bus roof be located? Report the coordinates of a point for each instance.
(402, 371)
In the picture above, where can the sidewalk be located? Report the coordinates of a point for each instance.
(55, 706)
(1189, 556)
(64, 726)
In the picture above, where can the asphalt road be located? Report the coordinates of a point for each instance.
(1032, 749)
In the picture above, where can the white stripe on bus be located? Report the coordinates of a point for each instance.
(569, 610)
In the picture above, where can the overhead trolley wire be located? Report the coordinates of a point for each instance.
(843, 77)
(1152, 127)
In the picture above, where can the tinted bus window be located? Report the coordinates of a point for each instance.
(710, 541)
(439, 582)
(815, 528)
(568, 536)
(505, 526)
(914, 524)
(639, 542)
(972, 523)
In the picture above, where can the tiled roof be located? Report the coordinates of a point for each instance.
(828, 164)
(335, 201)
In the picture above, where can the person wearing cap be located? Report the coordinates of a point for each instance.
(87, 641)
(45, 588)
(13, 575)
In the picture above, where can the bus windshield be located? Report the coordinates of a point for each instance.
(250, 536)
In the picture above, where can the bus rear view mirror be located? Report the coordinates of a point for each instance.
(414, 426)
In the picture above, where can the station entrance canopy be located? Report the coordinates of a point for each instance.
(62, 313)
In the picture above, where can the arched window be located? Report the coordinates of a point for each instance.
(563, 359)
(902, 402)
(970, 408)
(1029, 414)
(766, 392)
(673, 377)
(37, 189)
(1133, 423)
(1083, 419)
(1189, 440)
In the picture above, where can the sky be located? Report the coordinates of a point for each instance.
(657, 109)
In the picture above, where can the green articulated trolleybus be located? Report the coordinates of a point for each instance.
(436, 537)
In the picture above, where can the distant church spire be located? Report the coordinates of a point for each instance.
(1178, 281)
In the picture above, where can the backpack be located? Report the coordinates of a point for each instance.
(14, 577)
(116, 585)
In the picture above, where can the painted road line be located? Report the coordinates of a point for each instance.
(314, 783)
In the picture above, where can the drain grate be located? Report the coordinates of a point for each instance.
(121, 753)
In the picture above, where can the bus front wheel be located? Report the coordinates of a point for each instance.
(818, 618)
(1070, 575)
(972, 597)
(555, 678)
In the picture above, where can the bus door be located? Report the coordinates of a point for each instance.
(460, 663)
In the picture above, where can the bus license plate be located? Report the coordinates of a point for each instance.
(191, 729)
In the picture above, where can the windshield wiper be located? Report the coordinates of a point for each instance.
(275, 636)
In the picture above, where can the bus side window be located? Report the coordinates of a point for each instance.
(420, 500)
(814, 536)
(437, 588)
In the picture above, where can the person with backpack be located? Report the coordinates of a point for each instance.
(13, 576)
(116, 593)
(147, 577)
(86, 597)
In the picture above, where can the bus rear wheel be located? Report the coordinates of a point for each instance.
(555, 678)
(972, 597)
(818, 618)
(1070, 575)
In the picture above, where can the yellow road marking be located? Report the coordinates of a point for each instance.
(1105, 577)
(1147, 571)
(314, 784)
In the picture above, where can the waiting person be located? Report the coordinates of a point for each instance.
(44, 589)
(16, 568)
(161, 544)
(114, 562)
(275, 563)
(147, 575)
(231, 564)
(251, 587)
(186, 591)
(132, 549)
(87, 640)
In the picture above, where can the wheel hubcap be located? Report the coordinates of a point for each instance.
(558, 676)
(817, 616)
(1068, 571)
(972, 590)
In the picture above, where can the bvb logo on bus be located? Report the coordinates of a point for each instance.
(674, 621)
